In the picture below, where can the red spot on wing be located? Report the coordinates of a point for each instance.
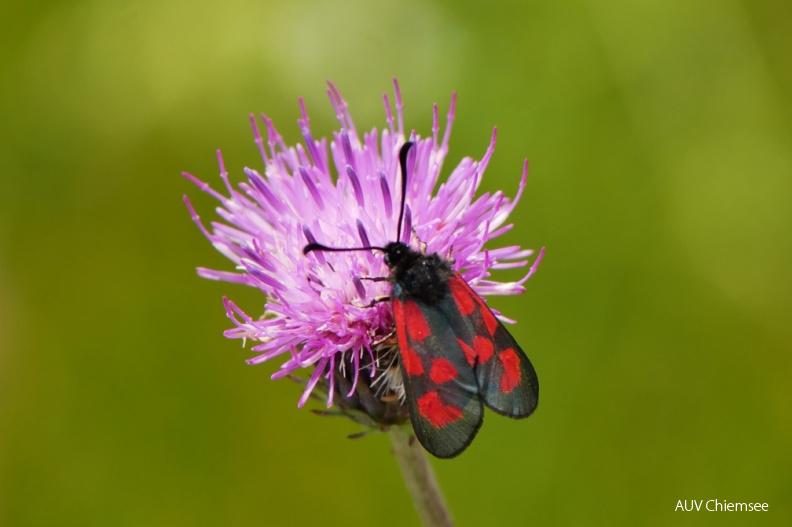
(462, 295)
(431, 407)
(414, 319)
(468, 300)
(484, 348)
(442, 371)
(489, 320)
(512, 376)
(410, 359)
(470, 354)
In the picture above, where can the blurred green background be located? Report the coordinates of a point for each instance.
(660, 183)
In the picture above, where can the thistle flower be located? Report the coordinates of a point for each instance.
(320, 312)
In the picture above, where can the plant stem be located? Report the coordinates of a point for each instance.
(420, 479)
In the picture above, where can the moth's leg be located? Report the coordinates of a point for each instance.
(374, 302)
(384, 339)
(421, 244)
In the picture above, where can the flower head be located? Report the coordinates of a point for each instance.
(320, 311)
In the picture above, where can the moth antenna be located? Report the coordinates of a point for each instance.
(319, 247)
(405, 149)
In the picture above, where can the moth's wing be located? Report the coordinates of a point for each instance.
(506, 378)
(440, 385)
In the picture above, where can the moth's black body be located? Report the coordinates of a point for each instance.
(422, 276)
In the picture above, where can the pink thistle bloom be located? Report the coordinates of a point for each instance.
(319, 311)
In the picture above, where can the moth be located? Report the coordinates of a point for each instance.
(456, 356)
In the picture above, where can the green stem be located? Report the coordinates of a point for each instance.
(420, 479)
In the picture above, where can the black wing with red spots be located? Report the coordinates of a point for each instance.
(457, 355)
(441, 387)
(506, 379)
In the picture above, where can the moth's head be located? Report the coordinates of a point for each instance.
(396, 253)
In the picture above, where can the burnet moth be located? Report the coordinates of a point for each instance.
(456, 356)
